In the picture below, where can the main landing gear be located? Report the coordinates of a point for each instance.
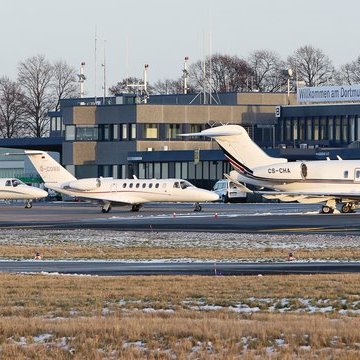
(106, 208)
(348, 208)
(136, 207)
(345, 208)
(197, 207)
(28, 204)
(327, 210)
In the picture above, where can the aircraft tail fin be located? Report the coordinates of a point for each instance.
(49, 169)
(243, 154)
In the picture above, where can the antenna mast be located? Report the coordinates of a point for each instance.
(145, 83)
(185, 74)
(104, 66)
(82, 79)
(95, 63)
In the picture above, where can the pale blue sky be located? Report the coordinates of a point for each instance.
(162, 32)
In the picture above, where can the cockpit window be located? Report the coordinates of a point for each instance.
(184, 184)
(8, 183)
(16, 182)
(176, 185)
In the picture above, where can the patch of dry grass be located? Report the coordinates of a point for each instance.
(62, 317)
(73, 251)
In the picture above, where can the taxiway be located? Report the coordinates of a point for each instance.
(265, 217)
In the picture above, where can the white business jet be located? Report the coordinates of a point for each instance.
(331, 182)
(15, 189)
(134, 192)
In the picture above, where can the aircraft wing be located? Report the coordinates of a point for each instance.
(124, 199)
(309, 196)
(120, 199)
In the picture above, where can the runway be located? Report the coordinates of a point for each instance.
(266, 217)
(110, 268)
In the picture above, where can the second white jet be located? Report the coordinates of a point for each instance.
(332, 182)
(134, 192)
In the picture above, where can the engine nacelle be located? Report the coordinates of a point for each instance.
(85, 184)
(284, 171)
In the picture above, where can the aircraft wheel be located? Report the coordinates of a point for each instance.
(197, 207)
(135, 208)
(327, 210)
(346, 208)
(225, 199)
(28, 205)
(106, 210)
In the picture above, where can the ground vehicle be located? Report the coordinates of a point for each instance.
(229, 192)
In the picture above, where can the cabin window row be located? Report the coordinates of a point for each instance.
(143, 185)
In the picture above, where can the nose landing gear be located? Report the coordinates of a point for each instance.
(197, 207)
(28, 204)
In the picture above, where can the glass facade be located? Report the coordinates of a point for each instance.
(202, 171)
(172, 131)
(150, 131)
(320, 131)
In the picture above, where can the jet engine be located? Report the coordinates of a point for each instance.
(85, 184)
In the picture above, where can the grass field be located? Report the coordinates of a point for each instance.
(178, 317)
(76, 251)
(193, 317)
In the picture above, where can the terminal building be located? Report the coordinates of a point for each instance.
(120, 137)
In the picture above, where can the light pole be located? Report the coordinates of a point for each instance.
(290, 74)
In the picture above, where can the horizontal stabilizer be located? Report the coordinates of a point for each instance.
(215, 132)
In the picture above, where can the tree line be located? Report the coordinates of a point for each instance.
(25, 103)
(263, 70)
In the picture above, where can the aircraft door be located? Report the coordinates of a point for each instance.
(357, 175)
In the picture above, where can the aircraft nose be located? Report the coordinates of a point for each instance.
(39, 193)
(211, 196)
(214, 196)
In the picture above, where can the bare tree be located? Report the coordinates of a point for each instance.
(349, 73)
(63, 82)
(220, 73)
(11, 108)
(169, 86)
(130, 85)
(312, 66)
(34, 76)
(268, 71)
